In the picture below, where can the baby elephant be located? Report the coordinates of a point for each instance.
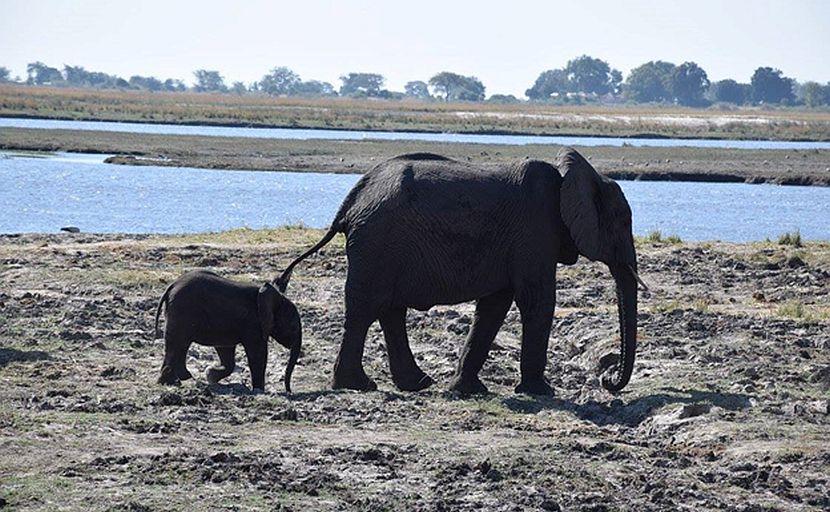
(214, 311)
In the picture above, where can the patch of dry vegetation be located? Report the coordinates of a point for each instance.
(375, 114)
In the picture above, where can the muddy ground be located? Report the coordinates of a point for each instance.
(784, 167)
(727, 409)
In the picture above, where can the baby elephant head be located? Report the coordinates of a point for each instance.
(279, 319)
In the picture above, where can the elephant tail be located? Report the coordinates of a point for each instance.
(162, 302)
(282, 282)
(339, 225)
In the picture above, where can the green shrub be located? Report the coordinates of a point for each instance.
(656, 237)
(793, 239)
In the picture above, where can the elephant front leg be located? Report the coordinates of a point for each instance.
(406, 374)
(489, 316)
(536, 323)
(257, 354)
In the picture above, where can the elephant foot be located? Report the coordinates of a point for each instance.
(216, 373)
(417, 382)
(358, 381)
(183, 374)
(466, 386)
(168, 377)
(535, 387)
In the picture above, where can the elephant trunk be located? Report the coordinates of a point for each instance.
(294, 355)
(626, 283)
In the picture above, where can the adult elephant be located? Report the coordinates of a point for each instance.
(422, 230)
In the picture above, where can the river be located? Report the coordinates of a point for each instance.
(42, 194)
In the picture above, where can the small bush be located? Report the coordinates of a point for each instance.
(792, 309)
(798, 311)
(793, 239)
(656, 237)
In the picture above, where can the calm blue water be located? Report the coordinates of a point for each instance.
(44, 194)
(292, 133)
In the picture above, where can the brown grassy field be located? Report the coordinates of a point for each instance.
(376, 114)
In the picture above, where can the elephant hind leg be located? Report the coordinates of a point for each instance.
(489, 316)
(406, 374)
(227, 363)
(173, 369)
(348, 370)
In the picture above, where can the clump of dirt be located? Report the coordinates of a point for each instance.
(728, 407)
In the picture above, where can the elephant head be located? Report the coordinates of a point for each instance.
(279, 319)
(598, 219)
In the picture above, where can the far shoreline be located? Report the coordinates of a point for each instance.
(804, 167)
(519, 133)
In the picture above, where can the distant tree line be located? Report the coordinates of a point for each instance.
(583, 79)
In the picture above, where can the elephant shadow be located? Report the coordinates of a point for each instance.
(618, 412)
(12, 355)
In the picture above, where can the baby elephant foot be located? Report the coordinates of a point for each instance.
(414, 382)
(358, 381)
(216, 373)
(168, 376)
(535, 387)
(467, 386)
(184, 374)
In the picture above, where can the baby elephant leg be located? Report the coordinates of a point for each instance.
(257, 352)
(227, 362)
(173, 369)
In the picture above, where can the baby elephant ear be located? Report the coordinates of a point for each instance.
(267, 300)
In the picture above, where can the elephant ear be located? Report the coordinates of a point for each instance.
(267, 300)
(579, 202)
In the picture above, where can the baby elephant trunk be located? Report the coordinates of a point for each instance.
(292, 359)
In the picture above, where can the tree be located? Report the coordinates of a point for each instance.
(147, 83)
(417, 89)
(815, 94)
(209, 81)
(172, 84)
(590, 75)
(616, 81)
(455, 87)
(503, 99)
(730, 91)
(281, 81)
(239, 88)
(688, 83)
(550, 82)
(314, 88)
(770, 86)
(473, 90)
(41, 74)
(361, 84)
(650, 82)
(5, 74)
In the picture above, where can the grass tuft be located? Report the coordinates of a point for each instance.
(793, 239)
(656, 237)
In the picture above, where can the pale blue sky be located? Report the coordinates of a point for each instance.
(506, 44)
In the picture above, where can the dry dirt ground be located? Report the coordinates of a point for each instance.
(727, 409)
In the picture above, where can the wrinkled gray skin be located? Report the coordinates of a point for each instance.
(423, 230)
(205, 308)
